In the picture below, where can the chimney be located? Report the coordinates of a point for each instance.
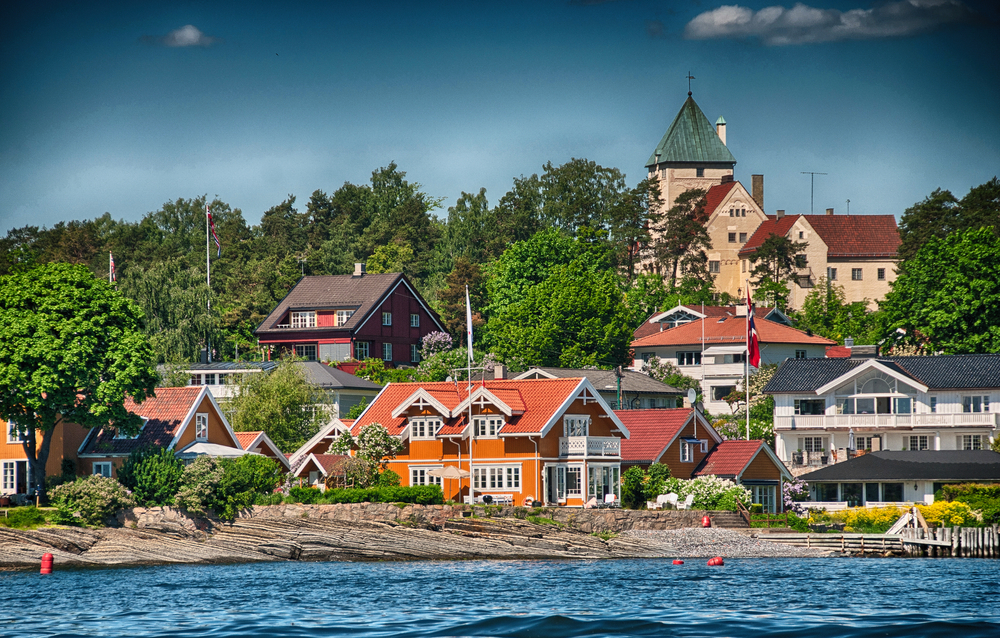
(757, 188)
(359, 269)
(779, 214)
(204, 355)
(720, 129)
(829, 211)
(849, 342)
(499, 371)
(864, 352)
(726, 179)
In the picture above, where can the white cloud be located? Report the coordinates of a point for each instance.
(187, 36)
(803, 24)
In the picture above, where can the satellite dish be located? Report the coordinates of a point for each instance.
(692, 396)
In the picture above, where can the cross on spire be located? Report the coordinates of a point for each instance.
(689, 78)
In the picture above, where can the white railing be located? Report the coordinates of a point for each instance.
(871, 421)
(589, 446)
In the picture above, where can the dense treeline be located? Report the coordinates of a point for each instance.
(561, 269)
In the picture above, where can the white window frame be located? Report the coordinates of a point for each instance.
(195, 379)
(386, 318)
(972, 442)
(305, 351)
(573, 424)
(414, 320)
(880, 274)
(487, 426)
(419, 476)
(713, 266)
(687, 452)
(425, 428)
(302, 319)
(414, 353)
(386, 351)
(832, 273)
(13, 434)
(103, 468)
(9, 470)
(933, 401)
(201, 426)
(497, 478)
(857, 274)
(694, 356)
(362, 350)
(922, 441)
(971, 401)
(801, 354)
(343, 316)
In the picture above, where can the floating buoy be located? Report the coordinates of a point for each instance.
(678, 562)
(706, 521)
(46, 563)
(715, 562)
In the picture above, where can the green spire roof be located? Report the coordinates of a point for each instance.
(691, 138)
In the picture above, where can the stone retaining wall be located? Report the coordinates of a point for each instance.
(170, 520)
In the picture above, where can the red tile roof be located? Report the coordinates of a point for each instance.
(329, 461)
(247, 438)
(729, 458)
(650, 327)
(164, 413)
(538, 399)
(716, 194)
(728, 331)
(838, 352)
(651, 432)
(845, 236)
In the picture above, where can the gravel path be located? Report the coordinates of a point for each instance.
(702, 543)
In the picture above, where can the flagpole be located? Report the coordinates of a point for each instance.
(747, 386)
(468, 388)
(208, 281)
(111, 268)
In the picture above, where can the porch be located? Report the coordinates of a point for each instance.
(587, 446)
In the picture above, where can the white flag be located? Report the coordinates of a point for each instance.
(468, 320)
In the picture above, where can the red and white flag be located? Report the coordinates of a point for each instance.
(111, 268)
(753, 346)
(211, 225)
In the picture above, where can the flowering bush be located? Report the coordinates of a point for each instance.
(710, 492)
(943, 513)
(90, 500)
(434, 343)
(793, 493)
(870, 520)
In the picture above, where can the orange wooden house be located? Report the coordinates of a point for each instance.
(552, 441)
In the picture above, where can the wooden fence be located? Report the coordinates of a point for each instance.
(971, 542)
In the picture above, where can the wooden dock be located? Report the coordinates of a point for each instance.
(966, 542)
(840, 542)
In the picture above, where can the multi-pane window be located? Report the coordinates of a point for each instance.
(414, 320)
(800, 354)
(976, 403)
(575, 425)
(863, 443)
(743, 238)
(738, 357)
(810, 406)
(386, 318)
(424, 427)
(699, 172)
(713, 266)
(971, 442)
(732, 238)
(195, 379)
(832, 274)
(307, 352)
(764, 494)
(499, 477)
(881, 274)
(304, 319)
(414, 353)
(103, 468)
(813, 444)
(201, 426)
(487, 425)
(9, 477)
(856, 274)
(13, 433)
(918, 442)
(574, 481)
(689, 358)
(362, 350)
(688, 446)
(420, 476)
(343, 316)
(386, 352)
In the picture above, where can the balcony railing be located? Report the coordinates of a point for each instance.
(886, 421)
(589, 446)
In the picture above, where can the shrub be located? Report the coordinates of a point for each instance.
(246, 481)
(306, 495)
(870, 520)
(421, 494)
(984, 499)
(199, 486)
(794, 492)
(945, 514)
(90, 500)
(23, 518)
(632, 487)
(153, 474)
(656, 476)
(388, 478)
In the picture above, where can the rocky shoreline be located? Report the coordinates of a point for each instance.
(380, 532)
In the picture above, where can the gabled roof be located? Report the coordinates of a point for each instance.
(333, 378)
(260, 439)
(363, 294)
(652, 325)
(653, 431)
(324, 463)
(542, 401)
(845, 236)
(941, 372)
(730, 459)
(728, 331)
(166, 415)
(326, 435)
(691, 138)
(922, 465)
(716, 195)
(605, 380)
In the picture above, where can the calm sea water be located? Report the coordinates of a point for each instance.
(548, 599)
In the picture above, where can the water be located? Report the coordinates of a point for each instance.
(550, 599)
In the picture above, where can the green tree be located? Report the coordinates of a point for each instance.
(71, 349)
(628, 222)
(682, 238)
(282, 403)
(825, 312)
(773, 268)
(396, 256)
(452, 298)
(633, 480)
(947, 299)
(940, 214)
(667, 372)
(374, 447)
(153, 474)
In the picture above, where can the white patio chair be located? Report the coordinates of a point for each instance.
(687, 503)
(664, 499)
(609, 500)
(670, 499)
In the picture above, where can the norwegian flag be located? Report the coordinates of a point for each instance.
(753, 346)
(111, 268)
(211, 225)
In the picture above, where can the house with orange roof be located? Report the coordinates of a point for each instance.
(314, 469)
(553, 441)
(260, 443)
(713, 350)
(681, 314)
(685, 442)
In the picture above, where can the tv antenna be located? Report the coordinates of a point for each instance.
(812, 187)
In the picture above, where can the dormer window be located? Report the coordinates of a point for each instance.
(487, 426)
(343, 316)
(303, 319)
(119, 435)
(575, 425)
(424, 427)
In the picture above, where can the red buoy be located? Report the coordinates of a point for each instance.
(678, 562)
(715, 562)
(46, 563)
(706, 521)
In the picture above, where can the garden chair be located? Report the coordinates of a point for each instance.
(664, 499)
(687, 503)
(610, 501)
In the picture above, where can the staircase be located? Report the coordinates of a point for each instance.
(729, 520)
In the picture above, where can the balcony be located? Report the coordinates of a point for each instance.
(887, 421)
(589, 446)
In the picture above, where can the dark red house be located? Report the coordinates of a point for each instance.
(360, 316)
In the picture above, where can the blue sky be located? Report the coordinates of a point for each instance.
(120, 107)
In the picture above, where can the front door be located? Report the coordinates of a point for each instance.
(557, 484)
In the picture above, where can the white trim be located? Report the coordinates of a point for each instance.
(377, 306)
(306, 462)
(534, 371)
(864, 367)
(663, 315)
(785, 474)
(423, 395)
(583, 386)
(266, 441)
(319, 436)
(482, 392)
(699, 420)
